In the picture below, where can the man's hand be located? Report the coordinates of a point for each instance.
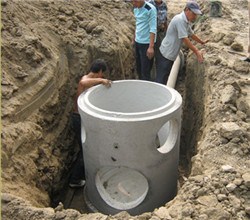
(150, 53)
(199, 55)
(205, 41)
(106, 82)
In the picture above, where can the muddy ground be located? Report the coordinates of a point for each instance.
(48, 45)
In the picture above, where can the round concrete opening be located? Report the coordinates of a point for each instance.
(167, 136)
(120, 187)
(130, 98)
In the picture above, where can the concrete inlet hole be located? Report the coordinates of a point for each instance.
(120, 187)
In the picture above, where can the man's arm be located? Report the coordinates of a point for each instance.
(193, 48)
(197, 39)
(86, 83)
(150, 51)
(153, 30)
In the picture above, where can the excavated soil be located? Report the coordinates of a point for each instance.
(48, 45)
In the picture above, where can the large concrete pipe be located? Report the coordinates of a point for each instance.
(130, 135)
(178, 63)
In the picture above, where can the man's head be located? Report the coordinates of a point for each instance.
(192, 9)
(158, 1)
(138, 3)
(98, 66)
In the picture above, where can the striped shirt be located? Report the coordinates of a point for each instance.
(162, 13)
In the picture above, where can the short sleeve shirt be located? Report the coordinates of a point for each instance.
(146, 23)
(178, 29)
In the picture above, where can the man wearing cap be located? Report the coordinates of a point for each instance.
(179, 30)
(145, 31)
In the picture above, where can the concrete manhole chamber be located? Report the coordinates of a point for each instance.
(130, 135)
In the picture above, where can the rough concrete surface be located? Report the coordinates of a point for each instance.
(46, 47)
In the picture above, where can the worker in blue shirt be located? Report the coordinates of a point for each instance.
(145, 37)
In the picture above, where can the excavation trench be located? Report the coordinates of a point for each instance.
(48, 45)
(190, 85)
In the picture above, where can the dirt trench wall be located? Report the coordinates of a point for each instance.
(47, 46)
(193, 109)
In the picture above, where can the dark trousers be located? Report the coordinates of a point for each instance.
(163, 69)
(159, 38)
(78, 172)
(143, 64)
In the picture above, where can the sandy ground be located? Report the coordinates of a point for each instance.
(48, 45)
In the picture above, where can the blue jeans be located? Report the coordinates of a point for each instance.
(143, 64)
(78, 172)
(163, 69)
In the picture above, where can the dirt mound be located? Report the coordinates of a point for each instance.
(48, 45)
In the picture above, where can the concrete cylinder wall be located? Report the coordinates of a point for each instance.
(130, 135)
